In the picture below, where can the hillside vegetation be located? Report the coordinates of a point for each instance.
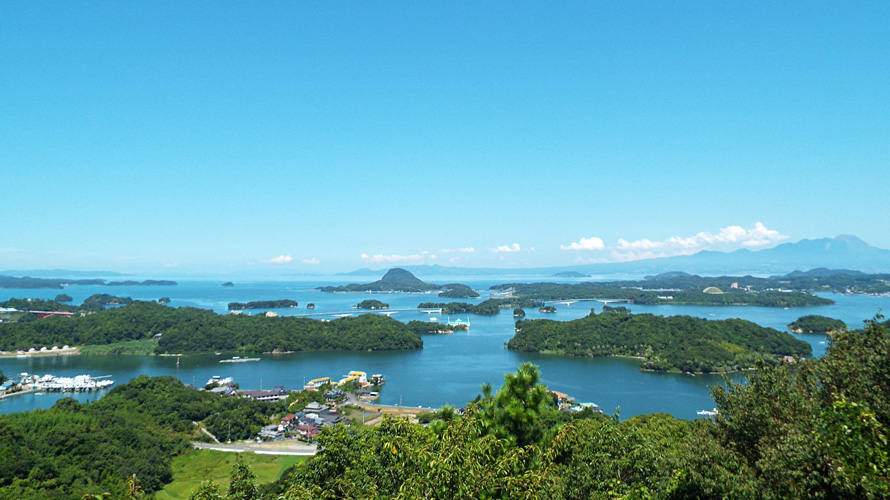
(189, 329)
(673, 343)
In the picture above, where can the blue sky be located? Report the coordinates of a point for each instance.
(181, 137)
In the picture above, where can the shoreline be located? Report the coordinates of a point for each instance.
(73, 351)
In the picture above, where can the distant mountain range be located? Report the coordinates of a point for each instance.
(840, 252)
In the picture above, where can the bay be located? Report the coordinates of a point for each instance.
(449, 369)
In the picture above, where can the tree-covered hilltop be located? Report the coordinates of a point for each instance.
(674, 343)
(262, 304)
(815, 429)
(430, 328)
(398, 280)
(816, 324)
(371, 304)
(188, 329)
(73, 450)
(662, 293)
(395, 280)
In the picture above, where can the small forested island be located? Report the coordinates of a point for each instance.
(673, 343)
(164, 300)
(228, 283)
(262, 304)
(657, 292)
(310, 306)
(63, 297)
(518, 312)
(458, 291)
(489, 307)
(816, 324)
(188, 329)
(547, 309)
(398, 280)
(371, 304)
(429, 328)
(103, 299)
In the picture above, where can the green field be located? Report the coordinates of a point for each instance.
(195, 466)
(144, 347)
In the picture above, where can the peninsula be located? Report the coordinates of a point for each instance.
(27, 282)
(188, 329)
(673, 343)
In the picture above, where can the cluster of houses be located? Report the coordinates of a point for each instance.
(567, 403)
(305, 424)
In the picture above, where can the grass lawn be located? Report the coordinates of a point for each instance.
(195, 466)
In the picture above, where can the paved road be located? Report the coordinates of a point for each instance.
(287, 447)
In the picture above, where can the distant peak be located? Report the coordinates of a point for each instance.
(399, 275)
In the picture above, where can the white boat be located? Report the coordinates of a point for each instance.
(709, 413)
(236, 359)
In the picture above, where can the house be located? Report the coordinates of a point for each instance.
(273, 395)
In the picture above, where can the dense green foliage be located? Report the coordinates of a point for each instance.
(371, 304)
(674, 343)
(71, 449)
(816, 324)
(547, 309)
(458, 291)
(817, 430)
(489, 307)
(63, 297)
(262, 304)
(428, 327)
(199, 330)
(652, 293)
(100, 300)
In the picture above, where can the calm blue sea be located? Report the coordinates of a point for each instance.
(449, 369)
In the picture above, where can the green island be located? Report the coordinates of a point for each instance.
(187, 329)
(63, 297)
(657, 292)
(673, 343)
(398, 280)
(262, 304)
(458, 291)
(547, 309)
(489, 307)
(371, 304)
(812, 429)
(27, 282)
(430, 328)
(814, 323)
(93, 303)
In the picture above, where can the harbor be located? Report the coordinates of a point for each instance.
(25, 383)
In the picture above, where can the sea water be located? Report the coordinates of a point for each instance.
(448, 370)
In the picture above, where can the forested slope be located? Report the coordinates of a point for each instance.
(673, 343)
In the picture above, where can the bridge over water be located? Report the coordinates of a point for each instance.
(569, 302)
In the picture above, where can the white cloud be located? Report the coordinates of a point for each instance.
(172, 264)
(312, 261)
(281, 259)
(727, 239)
(592, 243)
(376, 259)
(514, 248)
(458, 250)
